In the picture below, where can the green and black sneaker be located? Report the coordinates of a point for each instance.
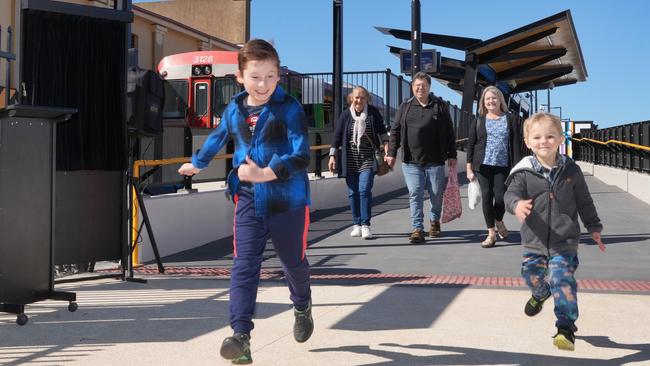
(534, 305)
(564, 339)
(303, 326)
(237, 349)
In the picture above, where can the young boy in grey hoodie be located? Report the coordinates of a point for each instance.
(547, 192)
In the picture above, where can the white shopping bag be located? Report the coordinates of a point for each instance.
(474, 194)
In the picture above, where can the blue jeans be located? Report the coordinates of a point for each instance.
(561, 284)
(417, 178)
(360, 195)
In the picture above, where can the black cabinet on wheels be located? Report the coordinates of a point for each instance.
(27, 171)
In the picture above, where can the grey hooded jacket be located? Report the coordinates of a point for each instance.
(552, 227)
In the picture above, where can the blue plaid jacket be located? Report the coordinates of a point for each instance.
(280, 142)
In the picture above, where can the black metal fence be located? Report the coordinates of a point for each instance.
(626, 146)
(314, 91)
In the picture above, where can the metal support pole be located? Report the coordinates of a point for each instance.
(416, 37)
(9, 57)
(337, 82)
(469, 85)
(536, 109)
(318, 171)
(548, 100)
(400, 92)
(387, 99)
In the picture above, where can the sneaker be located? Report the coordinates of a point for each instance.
(417, 236)
(365, 232)
(237, 349)
(434, 229)
(564, 339)
(534, 306)
(356, 231)
(501, 230)
(303, 327)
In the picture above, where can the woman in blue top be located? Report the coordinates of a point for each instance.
(493, 147)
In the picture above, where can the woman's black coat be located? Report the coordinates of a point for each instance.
(342, 135)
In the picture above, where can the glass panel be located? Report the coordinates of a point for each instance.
(201, 99)
(224, 89)
(175, 99)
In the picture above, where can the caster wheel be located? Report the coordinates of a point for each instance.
(21, 319)
(72, 307)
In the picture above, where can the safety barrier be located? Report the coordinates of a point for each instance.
(626, 146)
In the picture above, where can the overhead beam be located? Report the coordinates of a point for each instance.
(546, 85)
(513, 56)
(514, 71)
(488, 56)
(538, 81)
(442, 40)
(567, 69)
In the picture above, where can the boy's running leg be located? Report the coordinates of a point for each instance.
(565, 293)
(250, 235)
(533, 270)
(289, 234)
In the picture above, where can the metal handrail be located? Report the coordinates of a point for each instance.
(159, 162)
(628, 144)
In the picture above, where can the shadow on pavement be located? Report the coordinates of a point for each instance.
(396, 313)
(472, 356)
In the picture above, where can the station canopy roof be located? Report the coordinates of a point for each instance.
(540, 55)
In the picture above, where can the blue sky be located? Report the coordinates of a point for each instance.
(614, 37)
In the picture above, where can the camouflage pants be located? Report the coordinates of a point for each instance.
(561, 284)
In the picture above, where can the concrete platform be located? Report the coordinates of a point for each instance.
(182, 320)
(376, 302)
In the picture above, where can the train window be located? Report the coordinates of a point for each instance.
(201, 99)
(175, 99)
(224, 89)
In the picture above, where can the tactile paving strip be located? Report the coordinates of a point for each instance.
(586, 284)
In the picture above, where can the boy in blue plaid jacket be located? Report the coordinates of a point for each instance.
(270, 187)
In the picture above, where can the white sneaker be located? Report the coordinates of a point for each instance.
(356, 231)
(365, 232)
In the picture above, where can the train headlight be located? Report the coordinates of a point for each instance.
(196, 70)
(207, 70)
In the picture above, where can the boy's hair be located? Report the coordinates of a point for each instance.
(361, 89)
(257, 50)
(540, 117)
(494, 90)
(421, 76)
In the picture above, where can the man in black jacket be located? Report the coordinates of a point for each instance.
(424, 130)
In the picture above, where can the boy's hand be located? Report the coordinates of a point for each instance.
(251, 172)
(596, 236)
(188, 169)
(523, 209)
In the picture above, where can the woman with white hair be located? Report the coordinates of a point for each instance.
(360, 131)
(494, 146)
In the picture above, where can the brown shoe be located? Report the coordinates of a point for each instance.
(434, 230)
(417, 236)
(501, 230)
